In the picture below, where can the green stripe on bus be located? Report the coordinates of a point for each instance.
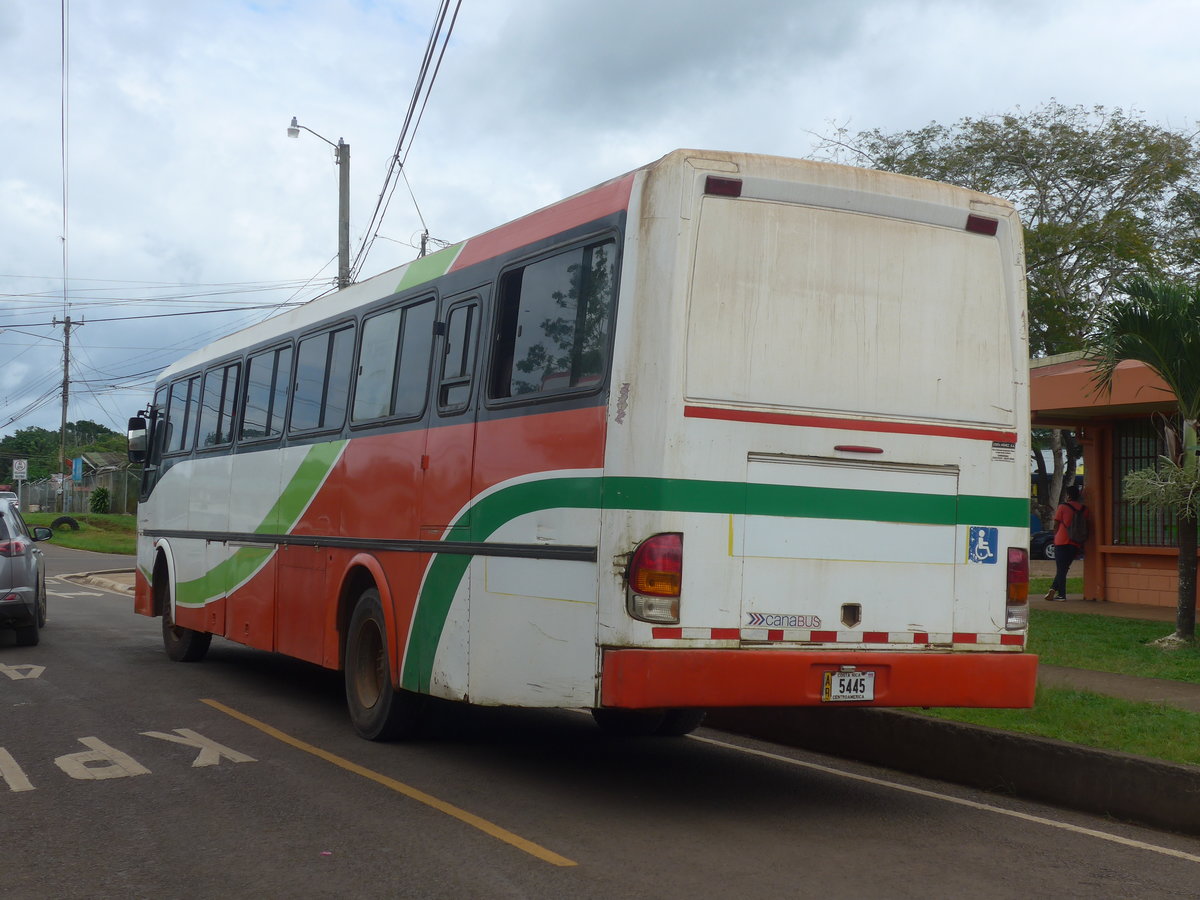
(446, 570)
(280, 519)
(678, 495)
(427, 268)
(217, 581)
(301, 488)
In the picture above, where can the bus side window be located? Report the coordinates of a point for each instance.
(553, 322)
(265, 397)
(323, 368)
(217, 409)
(458, 361)
(159, 437)
(393, 370)
(181, 415)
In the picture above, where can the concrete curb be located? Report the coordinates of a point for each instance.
(109, 584)
(1131, 788)
(102, 579)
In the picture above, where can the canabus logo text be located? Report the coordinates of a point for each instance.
(780, 620)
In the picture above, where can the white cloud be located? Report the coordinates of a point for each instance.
(180, 171)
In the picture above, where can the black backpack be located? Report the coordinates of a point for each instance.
(1078, 530)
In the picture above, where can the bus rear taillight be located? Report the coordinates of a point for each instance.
(655, 575)
(1017, 610)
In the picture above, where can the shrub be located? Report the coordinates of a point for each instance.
(99, 500)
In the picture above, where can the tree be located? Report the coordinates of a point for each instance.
(1158, 323)
(41, 446)
(1103, 195)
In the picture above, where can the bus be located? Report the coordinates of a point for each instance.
(728, 430)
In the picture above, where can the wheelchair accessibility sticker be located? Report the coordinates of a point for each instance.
(982, 547)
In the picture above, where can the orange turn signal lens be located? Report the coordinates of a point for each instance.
(657, 566)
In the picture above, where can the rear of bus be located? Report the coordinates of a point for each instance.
(816, 487)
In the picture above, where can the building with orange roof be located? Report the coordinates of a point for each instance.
(1131, 554)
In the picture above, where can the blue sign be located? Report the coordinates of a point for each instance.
(983, 546)
(77, 469)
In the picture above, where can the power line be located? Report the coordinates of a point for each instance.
(194, 312)
(420, 95)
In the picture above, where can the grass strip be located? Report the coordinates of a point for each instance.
(1110, 644)
(1093, 720)
(97, 533)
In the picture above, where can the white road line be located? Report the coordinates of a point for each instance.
(1064, 826)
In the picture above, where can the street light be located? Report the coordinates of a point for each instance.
(342, 159)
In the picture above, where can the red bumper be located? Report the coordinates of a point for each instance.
(647, 679)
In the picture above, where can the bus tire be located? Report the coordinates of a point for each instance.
(648, 722)
(629, 722)
(379, 711)
(183, 644)
(678, 722)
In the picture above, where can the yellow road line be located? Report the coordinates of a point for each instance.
(400, 787)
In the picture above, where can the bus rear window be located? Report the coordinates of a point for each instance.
(553, 323)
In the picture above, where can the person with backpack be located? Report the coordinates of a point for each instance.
(1072, 524)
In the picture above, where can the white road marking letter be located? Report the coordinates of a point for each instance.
(111, 762)
(11, 773)
(22, 672)
(210, 751)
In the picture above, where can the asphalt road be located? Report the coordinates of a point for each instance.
(125, 775)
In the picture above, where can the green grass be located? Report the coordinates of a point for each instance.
(1080, 717)
(97, 533)
(1110, 644)
(1104, 644)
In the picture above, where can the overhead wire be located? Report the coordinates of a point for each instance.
(420, 95)
(76, 294)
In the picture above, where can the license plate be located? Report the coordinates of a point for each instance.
(844, 686)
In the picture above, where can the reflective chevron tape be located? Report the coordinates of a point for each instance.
(958, 639)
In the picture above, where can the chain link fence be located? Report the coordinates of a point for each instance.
(47, 494)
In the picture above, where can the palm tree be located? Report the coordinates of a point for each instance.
(1157, 322)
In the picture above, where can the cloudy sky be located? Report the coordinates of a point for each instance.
(183, 192)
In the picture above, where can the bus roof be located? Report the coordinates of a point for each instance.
(586, 206)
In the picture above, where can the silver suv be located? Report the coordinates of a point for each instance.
(22, 575)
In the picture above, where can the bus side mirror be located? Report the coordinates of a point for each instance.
(137, 440)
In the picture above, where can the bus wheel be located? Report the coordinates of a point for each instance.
(629, 722)
(678, 722)
(378, 710)
(648, 722)
(183, 644)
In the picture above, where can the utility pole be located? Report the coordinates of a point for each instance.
(66, 394)
(342, 159)
(343, 162)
